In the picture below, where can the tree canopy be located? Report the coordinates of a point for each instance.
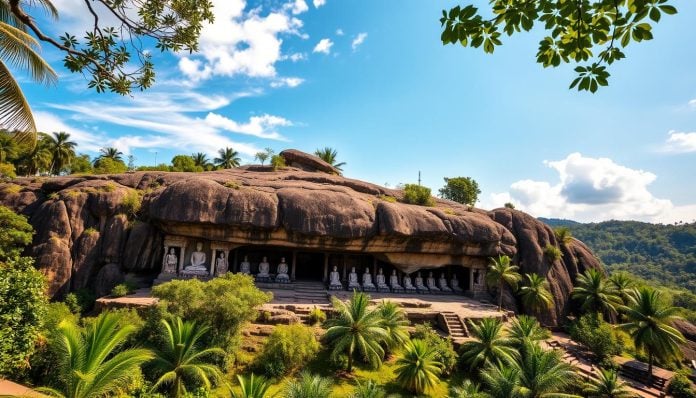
(464, 190)
(590, 33)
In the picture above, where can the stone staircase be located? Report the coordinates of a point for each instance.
(455, 327)
(314, 292)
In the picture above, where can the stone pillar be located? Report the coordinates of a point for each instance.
(344, 267)
(326, 267)
(294, 265)
(471, 279)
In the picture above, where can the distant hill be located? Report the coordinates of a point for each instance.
(662, 253)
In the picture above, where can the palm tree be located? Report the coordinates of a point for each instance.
(501, 382)
(8, 146)
(489, 344)
(20, 51)
(500, 273)
(308, 386)
(329, 156)
(623, 284)
(535, 293)
(525, 329)
(417, 370)
(356, 328)
(181, 360)
(367, 390)
(563, 235)
(261, 157)
(543, 373)
(201, 159)
(110, 153)
(228, 159)
(62, 150)
(394, 321)
(37, 158)
(595, 294)
(467, 390)
(607, 385)
(91, 363)
(252, 387)
(649, 323)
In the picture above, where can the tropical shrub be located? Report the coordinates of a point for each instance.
(15, 234)
(80, 301)
(308, 386)
(417, 370)
(394, 322)
(109, 166)
(607, 384)
(277, 162)
(132, 203)
(251, 387)
(444, 349)
(46, 355)
(367, 390)
(552, 252)
(288, 348)
(120, 290)
(316, 316)
(22, 308)
(680, 386)
(490, 344)
(224, 303)
(597, 335)
(418, 195)
(7, 171)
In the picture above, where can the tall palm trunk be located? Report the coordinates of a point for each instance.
(500, 295)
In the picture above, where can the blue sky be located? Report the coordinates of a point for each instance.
(371, 79)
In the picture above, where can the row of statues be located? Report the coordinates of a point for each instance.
(198, 265)
(380, 284)
(264, 274)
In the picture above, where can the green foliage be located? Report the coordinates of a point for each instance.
(80, 301)
(467, 390)
(418, 195)
(22, 308)
(7, 171)
(43, 361)
(595, 293)
(591, 33)
(394, 322)
(680, 386)
(132, 202)
(509, 205)
(106, 165)
(367, 390)
(356, 329)
(81, 164)
(524, 329)
(224, 303)
(228, 158)
(489, 344)
(387, 198)
(552, 253)
(120, 290)
(500, 273)
(607, 384)
(61, 149)
(278, 162)
(417, 370)
(444, 349)
(329, 155)
(464, 190)
(15, 234)
(251, 387)
(185, 163)
(535, 293)
(289, 347)
(308, 386)
(182, 360)
(92, 362)
(597, 335)
(316, 316)
(563, 234)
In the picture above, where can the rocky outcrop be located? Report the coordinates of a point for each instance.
(88, 233)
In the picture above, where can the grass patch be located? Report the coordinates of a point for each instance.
(12, 189)
(552, 252)
(231, 184)
(387, 198)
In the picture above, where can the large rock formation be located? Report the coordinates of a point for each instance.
(91, 230)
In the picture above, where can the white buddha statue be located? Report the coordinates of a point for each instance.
(282, 271)
(264, 268)
(221, 264)
(430, 282)
(442, 283)
(394, 282)
(367, 284)
(353, 280)
(454, 283)
(170, 262)
(245, 266)
(408, 286)
(197, 260)
(419, 284)
(381, 281)
(335, 280)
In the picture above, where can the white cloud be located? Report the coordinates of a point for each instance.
(287, 82)
(258, 126)
(50, 123)
(324, 46)
(319, 3)
(681, 142)
(692, 103)
(295, 57)
(593, 189)
(167, 120)
(359, 39)
(339, 32)
(242, 43)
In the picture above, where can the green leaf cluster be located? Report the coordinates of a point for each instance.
(591, 32)
(463, 190)
(418, 195)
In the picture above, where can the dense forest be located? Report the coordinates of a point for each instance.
(656, 252)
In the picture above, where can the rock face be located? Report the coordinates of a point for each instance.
(90, 232)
